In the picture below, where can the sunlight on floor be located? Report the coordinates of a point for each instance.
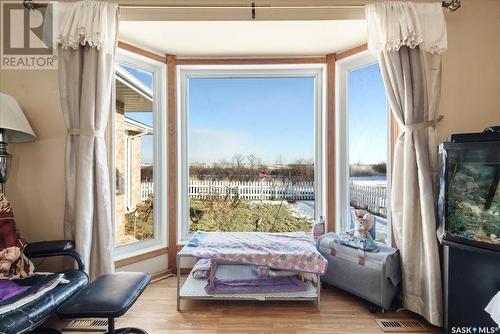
(156, 313)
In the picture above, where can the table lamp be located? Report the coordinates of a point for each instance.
(14, 128)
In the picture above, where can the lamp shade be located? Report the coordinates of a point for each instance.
(14, 124)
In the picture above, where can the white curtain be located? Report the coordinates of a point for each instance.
(409, 39)
(87, 43)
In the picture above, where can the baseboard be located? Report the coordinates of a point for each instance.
(161, 275)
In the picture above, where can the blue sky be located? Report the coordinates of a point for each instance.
(274, 117)
(267, 117)
(143, 117)
(367, 116)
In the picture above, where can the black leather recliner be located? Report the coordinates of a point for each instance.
(30, 316)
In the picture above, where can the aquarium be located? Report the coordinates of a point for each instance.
(469, 193)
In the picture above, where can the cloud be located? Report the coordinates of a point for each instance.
(210, 145)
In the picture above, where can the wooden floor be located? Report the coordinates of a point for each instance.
(155, 311)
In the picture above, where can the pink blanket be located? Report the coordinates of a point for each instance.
(285, 251)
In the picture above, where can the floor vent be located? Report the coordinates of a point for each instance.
(401, 325)
(87, 325)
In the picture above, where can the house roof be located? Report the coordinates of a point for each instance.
(138, 127)
(133, 93)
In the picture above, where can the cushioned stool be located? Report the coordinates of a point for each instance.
(109, 296)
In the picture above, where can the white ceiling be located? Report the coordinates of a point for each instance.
(244, 38)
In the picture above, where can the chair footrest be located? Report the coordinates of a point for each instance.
(109, 296)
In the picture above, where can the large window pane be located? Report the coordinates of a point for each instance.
(251, 153)
(368, 147)
(134, 155)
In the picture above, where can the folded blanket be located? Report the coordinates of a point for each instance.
(267, 272)
(13, 263)
(41, 286)
(195, 239)
(9, 289)
(261, 285)
(201, 269)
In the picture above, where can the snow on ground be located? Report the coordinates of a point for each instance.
(305, 209)
(300, 209)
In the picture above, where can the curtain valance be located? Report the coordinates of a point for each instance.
(92, 23)
(392, 24)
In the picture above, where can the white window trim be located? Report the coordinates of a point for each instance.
(128, 172)
(160, 155)
(343, 68)
(184, 72)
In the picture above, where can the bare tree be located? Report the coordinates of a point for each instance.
(280, 161)
(301, 170)
(237, 170)
(253, 160)
(238, 160)
(280, 173)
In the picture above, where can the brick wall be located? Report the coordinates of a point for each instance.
(136, 172)
(121, 135)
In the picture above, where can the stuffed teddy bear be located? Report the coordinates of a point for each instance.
(363, 223)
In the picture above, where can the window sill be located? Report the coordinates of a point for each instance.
(144, 254)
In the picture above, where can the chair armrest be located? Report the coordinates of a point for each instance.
(54, 248)
(44, 247)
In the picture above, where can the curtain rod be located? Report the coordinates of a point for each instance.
(451, 5)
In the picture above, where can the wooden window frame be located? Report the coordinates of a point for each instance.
(328, 129)
(172, 162)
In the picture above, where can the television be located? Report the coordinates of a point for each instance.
(469, 191)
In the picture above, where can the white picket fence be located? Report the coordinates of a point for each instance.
(250, 190)
(367, 195)
(370, 196)
(146, 190)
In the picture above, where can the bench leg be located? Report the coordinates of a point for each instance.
(213, 267)
(126, 330)
(111, 325)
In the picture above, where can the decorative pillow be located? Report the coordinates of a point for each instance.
(13, 263)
